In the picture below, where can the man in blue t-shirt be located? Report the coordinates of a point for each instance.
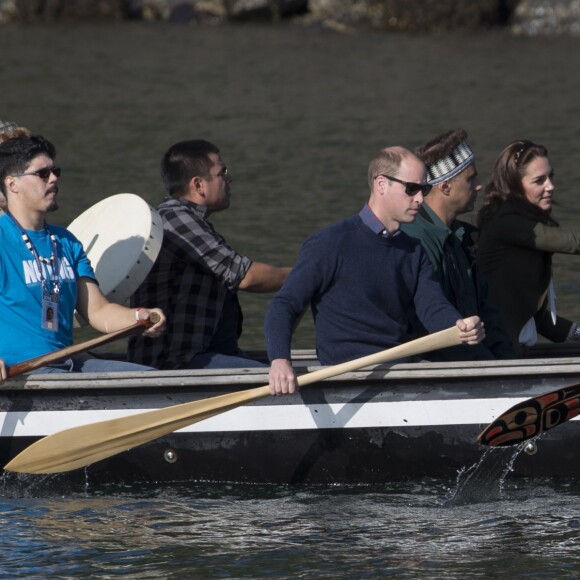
(364, 278)
(44, 271)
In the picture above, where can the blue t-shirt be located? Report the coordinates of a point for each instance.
(21, 334)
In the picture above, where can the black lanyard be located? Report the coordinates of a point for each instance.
(52, 261)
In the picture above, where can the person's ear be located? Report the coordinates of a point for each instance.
(383, 183)
(196, 186)
(10, 184)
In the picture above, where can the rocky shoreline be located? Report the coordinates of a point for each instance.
(524, 17)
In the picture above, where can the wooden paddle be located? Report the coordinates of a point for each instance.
(532, 417)
(44, 360)
(80, 446)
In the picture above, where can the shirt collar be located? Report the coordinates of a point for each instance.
(370, 220)
(441, 230)
(199, 210)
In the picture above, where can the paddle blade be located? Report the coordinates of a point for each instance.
(532, 417)
(81, 446)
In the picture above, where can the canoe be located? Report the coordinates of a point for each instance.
(383, 424)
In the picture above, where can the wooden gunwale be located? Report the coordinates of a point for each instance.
(407, 372)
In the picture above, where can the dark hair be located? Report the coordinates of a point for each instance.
(184, 161)
(17, 153)
(440, 146)
(506, 181)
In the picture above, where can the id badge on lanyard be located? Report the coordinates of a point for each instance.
(50, 284)
(50, 311)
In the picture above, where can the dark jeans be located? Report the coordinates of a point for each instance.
(216, 360)
(91, 365)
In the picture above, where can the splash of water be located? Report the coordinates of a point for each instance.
(483, 481)
(23, 485)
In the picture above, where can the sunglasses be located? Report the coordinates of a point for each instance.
(411, 188)
(224, 174)
(43, 173)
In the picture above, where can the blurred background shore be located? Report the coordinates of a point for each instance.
(528, 17)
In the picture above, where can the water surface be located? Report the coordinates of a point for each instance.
(231, 531)
(298, 115)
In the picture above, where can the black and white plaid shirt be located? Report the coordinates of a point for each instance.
(190, 281)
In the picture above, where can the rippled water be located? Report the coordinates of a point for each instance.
(298, 114)
(229, 531)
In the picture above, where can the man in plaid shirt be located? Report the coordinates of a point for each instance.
(197, 275)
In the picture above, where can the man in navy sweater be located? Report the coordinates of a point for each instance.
(363, 278)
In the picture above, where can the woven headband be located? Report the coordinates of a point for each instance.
(451, 165)
(7, 126)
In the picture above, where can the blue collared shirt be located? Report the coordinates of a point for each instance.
(370, 220)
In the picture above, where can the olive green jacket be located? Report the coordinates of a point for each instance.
(451, 251)
(515, 254)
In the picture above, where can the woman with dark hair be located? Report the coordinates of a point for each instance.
(518, 236)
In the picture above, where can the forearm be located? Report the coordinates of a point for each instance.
(263, 278)
(558, 332)
(287, 307)
(106, 316)
(522, 231)
(279, 324)
(432, 307)
(111, 317)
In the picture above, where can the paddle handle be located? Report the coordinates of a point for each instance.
(442, 339)
(59, 355)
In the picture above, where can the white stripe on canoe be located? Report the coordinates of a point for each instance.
(283, 417)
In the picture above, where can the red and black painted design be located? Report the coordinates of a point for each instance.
(532, 417)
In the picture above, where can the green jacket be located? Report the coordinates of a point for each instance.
(515, 254)
(451, 251)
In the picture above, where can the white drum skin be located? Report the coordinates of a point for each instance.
(122, 237)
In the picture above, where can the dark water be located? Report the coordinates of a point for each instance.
(229, 531)
(298, 114)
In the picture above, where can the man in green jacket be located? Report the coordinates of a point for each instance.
(450, 243)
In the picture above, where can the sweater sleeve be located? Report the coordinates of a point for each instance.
(433, 309)
(520, 230)
(309, 277)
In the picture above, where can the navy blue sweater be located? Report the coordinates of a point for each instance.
(361, 287)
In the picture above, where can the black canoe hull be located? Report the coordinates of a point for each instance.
(388, 424)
